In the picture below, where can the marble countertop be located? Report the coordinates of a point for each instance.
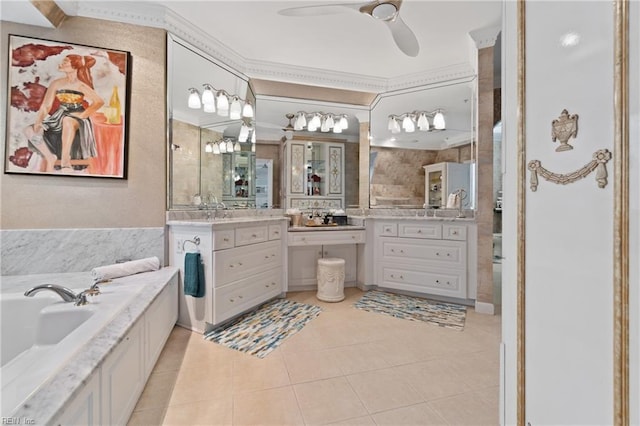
(217, 223)
(325, 228)
(139, 291)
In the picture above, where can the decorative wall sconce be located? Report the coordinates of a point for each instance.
(214, 100)
(408, 121)
(314, 121)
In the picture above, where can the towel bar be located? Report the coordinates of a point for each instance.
(196, 241)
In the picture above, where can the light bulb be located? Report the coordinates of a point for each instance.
(244, 133)
(344, 123)
(438, 121)
(222, 102)
(235, 110)
(194, 99)
(337, 128)
(324, 127)
(216, 148)
(223, 147)
(253, 147)
(229, 145)
(209, 107)
(208, 96)
(423, 122)
(237, 147)
(208, 147)
(330, 121)
(408, 124)
(247, 110)
(253, 136)
(299, 122)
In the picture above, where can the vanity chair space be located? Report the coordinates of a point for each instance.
(426, 256)
(243, 260)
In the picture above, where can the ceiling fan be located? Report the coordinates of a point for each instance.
(387, 11)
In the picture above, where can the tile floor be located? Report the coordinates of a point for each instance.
(346, 367)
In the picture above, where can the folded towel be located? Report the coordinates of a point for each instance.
(453, 201)
(193, 275)
(102, 273)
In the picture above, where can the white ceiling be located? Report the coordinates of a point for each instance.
(348, 50)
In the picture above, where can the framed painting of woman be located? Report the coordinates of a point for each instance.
(67, 109)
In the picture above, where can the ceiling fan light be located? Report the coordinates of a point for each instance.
(247, 110)
(384, 11)
(194, 99)
(235, 110)
(423, 122)
(438, 121)
(344, 123)
(207, 95)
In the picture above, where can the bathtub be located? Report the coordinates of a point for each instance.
(47, 342)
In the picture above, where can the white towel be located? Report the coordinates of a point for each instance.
(453, 201)
(124, 269)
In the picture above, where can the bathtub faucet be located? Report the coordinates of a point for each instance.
(66, 294)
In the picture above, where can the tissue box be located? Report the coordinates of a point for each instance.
(340, 219)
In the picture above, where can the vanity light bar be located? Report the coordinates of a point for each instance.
(319, 120)
(408, 121)
(214, 100)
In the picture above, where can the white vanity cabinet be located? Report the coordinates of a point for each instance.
(315, 175)
(429, 257)
(243, 262)
(306, 247)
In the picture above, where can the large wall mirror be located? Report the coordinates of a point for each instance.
(211, 154)
(407, 135)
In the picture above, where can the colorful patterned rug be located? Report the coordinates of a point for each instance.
(261, 331)
(446, 315)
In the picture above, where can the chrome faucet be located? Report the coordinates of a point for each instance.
(66, 294)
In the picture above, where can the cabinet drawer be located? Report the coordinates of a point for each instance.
(251, 235)
(420, 230)
(274, 232)
(223, 239)
(444, 283)
(245, 294)
(325, 237)
(454, 232)
(242, 262)
(387, 229)
(449, 254)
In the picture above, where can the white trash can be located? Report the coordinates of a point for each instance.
(330, 279)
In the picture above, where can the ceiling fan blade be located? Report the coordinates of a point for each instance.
(325, 9)
(403, 36)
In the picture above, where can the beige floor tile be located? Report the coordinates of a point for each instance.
(157, 392)
(251, 373)
(467, 409)
(211, 412)
(267, 407)
(479, 369)
(358, 421)
(309, 366)
(327, 401)
(202, 382)
(419, 414)
(152, 416)
(358, 358)
(382, 390)
(435, 379)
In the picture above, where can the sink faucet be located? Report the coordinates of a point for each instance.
(66, 294)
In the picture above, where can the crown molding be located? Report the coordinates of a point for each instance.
(158, 16)
(485, 37)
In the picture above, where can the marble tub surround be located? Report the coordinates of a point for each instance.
(41, 251)
(134, 294)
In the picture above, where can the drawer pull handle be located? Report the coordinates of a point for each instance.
(239, 263)
(231, 265)
(226, 240)
(266, 256)
(276, 232)
(401, 251)
(266, 286)
(448, 254)
(273, 284)
(353, 237)
(231, 300)
(273, 255)
(454, 233)
(419, 231)
(401, 277)
(437, 253)
(253, 235)
(240, 297)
